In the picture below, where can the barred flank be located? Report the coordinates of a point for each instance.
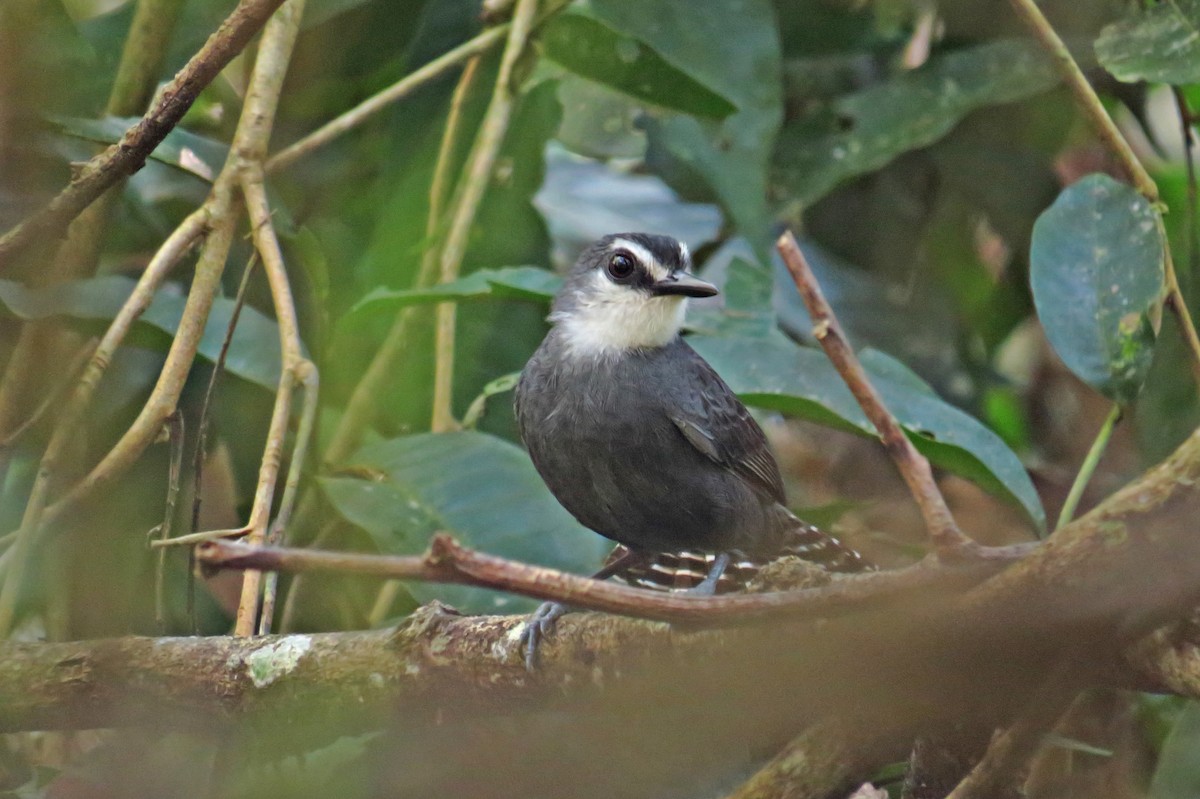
(678, 571)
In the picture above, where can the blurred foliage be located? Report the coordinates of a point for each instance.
(913, 145)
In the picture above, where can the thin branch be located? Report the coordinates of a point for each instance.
(471, 187)
(401, 89)
(944, 534)
(42, 341)
(129, 155)
(309, 378)
(1186, 120)
(1089, 102)
(219, 212)
(448, 562)
(1088, 468)
(366, 390)
(202, 426)
(55, 394)
(36, 510)
(1085, 96)
(250, 144)
(1010, 751)
(142, 56)
(175, 433)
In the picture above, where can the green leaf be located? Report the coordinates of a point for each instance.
(582, 201)
(181, 149)
(506, 283)
(1160, 44)
(777, 374)
(745, 303)
(580, 42)
(734, 48)
(480, 489)
(1178, 770)
(862, 131)
(1096, 270)
(253, 352)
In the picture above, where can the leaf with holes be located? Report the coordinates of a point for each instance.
(1096, 269)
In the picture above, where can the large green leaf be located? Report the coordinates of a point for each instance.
(1096, 269)
(481, 489)
(864, 130)
(587, 46)
(506, 283)
(774, 373)
(253, 352)
(1160, 43)
(732, 47)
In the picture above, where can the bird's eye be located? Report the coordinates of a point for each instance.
(620, 266)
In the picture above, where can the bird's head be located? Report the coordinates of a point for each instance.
(627, 291)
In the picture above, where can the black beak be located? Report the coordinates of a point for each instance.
(683, 284)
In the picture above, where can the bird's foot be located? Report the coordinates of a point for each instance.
(538, 628)
(708, 587)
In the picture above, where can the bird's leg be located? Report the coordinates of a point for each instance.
(541, 621)
(709, 585)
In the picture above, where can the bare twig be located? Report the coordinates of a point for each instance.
(439, 188)
(128, 155)
(250, 145)
(308, 376)
(52, 398)
(401, 89)
(36, 510)
(217, 211)
(202, 426)
(1089, 102)
(448, 562)
(1088, 468)
(471, 187)
(1010, 751)
(175, 432)
(1186, 121)
(46, 340)
(944, 534)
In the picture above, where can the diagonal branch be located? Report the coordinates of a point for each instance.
(947, 539)
(1095, 112)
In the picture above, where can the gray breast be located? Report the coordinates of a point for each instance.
(605, 438)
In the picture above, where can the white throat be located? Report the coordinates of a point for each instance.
(610, 319)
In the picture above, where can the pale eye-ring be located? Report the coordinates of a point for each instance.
(621, 266)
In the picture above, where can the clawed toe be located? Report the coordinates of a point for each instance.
(538, 628)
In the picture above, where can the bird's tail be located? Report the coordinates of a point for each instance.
(677, 571)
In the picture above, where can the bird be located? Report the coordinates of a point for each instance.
(640, 439)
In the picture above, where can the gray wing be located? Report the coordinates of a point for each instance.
(715, 422)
